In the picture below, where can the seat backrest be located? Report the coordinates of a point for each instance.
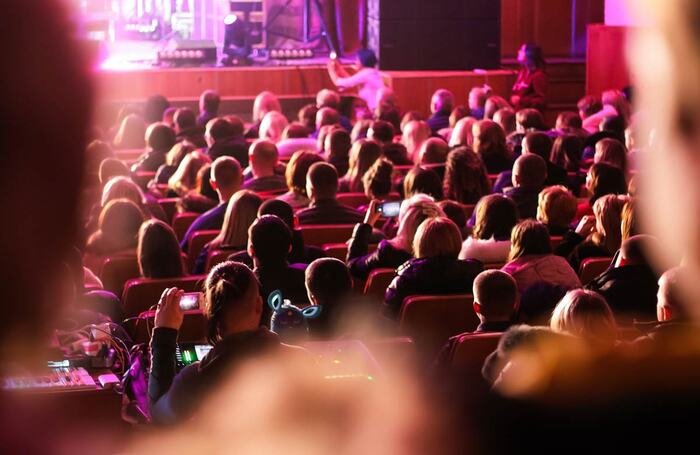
(193, 329)
(141, 178)
(318, 235)
(592, 267)
(340, 250)
(377, 282)
(470, 351)
(197, 242)
(217, 257)
(556, 241)
(142, 293)
(169, 206)
(117, 270)
(182, 222)
(432, 319)
(468, 209)
(354, 200)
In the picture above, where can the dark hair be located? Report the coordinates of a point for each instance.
(297, 168)
(367, 58)
(220, 128)
(158, 251)
(466, 179)
(270, 238)
(455, 212)
(203, 186)
(280, 209)
(458, 113)
(307, 116)
(382, 131)
(492, 140)
(434, 151)
(568, 120)
(225, 290)
(377, 180)
(531, 171)
(324, 180)
(210, 101)
(422, 180)
(529, 237)
(589, 105)
(606, 179)
(615, 124)
(119, 224)
(539, 143)
(185, 118)
(495, 217)
(566, 152)
(328, 279)
(111, 167)
(237, 126)
(339, 144)
(295, 130)
(160, 138)
(533, 55)
(529, 119)
(396, 153)
(154, 108)
(496, 292)
(391, 115)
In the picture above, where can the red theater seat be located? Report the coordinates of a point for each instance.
(142, 293)
(377, 282)
(197, 242)
(142, 178)
(592, 267)
(117, 270)
(320, 234)
(169, 206)
(340, 250)
(354, 200)
(182, 222)
(470, 350)
(217, 257)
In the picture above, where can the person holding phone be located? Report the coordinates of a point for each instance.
(366, 78)
(389, 253)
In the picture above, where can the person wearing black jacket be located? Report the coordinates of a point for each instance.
(232, 310)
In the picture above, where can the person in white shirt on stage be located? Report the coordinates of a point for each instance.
(367, 78)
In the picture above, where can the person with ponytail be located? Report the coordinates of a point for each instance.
(232, 309)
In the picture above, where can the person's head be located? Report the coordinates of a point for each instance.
(495, 217)
(489, 139)
(529, 238)
(529, 119)
(458, 113)
(241, 211)
(556, 206)
(433, 151)
(538, 143)
(122, 187)
(637, 250)
(396, 153)
(411, 116)
(604, 178)
(477, 98)
(585, 314)
(265, 102)
(295, 130)
(218, 129)
(178, 152)
(327, 116)
(327, 98)
(154, 108)
(203, 186)
(630, 219)
(437, 237)
(272, 126)
(338, 145)
(237, 126)
(505, 117)
(413, 211)
(608, 215)
(280, 209)
(118, 226)
(529, 171)
(414, 134)
(184, 178)
(263, 158)
(618, 100)
(307, 116)
(131, 133)
(363, 154)
(588, 105)
(377, 181)
(321, 182)
(269, 240)
(495, 296)
(185, 119)
(324, 131)
(328, 281)
(169, 116)
(110, 168)
(670, 304)
(614, 124)
(566, 152)
(297, 168)
(209, 102)
(530, 55)
(462, 132)
(160, 137)
(466, 179)
(158, 251)
(96, 152)
(380, 131)
(442, 102)
(367, 58)
(232, 301)
(226, 177)
(567, 121)
(611, 151)
(455, 211)
(360, 130)
(386, 98)
(420, 180)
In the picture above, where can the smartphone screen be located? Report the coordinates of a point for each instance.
(190, 301)
(390, 209)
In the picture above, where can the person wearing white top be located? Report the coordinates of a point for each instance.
(367, 79)
(488, 251)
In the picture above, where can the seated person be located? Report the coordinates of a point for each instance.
(490, 240)
(159, 139)
(263, 162)
(556, 208)
(389, 253)
(435, 270)
(209, 102)
(440, 107)
(90, 300)
(224, 137)
(381, 132)
(490, 144)
(363, 154)
(226, 179)
(117, 232)
(601, 179)
(295, 138)
(465, 180)
(495, 299)
(455, 211)
(110, 168)
(328, 285)
(420, 180)
(295, 176)
(630, 285)
(158, 251)
(529, 174)
(269, 243)
(586, 315)
(337, 147)
(321, 188)
(233, 306)
(377, 180)
(186, 128)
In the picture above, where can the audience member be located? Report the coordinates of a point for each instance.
(466, 179)
(363, 154)
(186, 128)
(495, 300)
(184, 179)
(209, 102)
(490, 240)
(111, 167)
(414, 134)
(440, 107)
(457, 214)
(224, 137)
(337, 147)
(462, 133)
(321, 188)
(328, 285)
(265, 102)
(420, 180)
(494, 103)
(154, 108)
(529, 174)
(158, 251)
(556, 209)
(295, 138)
(264, 158)
(477, 102)
(530, 88)
(490, 145)
(585, 314)
(602, 179)
(377, 180)
(131, 133)
(117, 230)
(272, 126)
(295, 177)
(433, 151)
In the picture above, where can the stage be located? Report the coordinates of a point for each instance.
(295, 85)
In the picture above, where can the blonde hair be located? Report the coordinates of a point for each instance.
(584, 314)
(608, 213)
(185, 177)
(122, 187)
(178, 152)
(241, 211)
(462, 132)
(272, 126)
(437, 237)
(265, 102)
(414, 134)
(556, 206)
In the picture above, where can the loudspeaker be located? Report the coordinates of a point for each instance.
(435, 35)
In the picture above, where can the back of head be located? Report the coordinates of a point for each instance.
(413, 211)
(567, 151)
(529, 237)
(396, 153)
(328, 281)
(585, 314)
(327, 98)
(185, 118)
(241, 211)
(154, 108)
(295, 130)
(112, 167)
(489, 138)
(638, 249)
(237, 126)
(131, 133)
(381, 131)
(219, 129)
(462, 132)
(454, 211)
(363, 154)
(528, 119)
(505, 117)
(437, 237)
(119, 224)
(160, 137)
(493, 105)
(263, 154)
(158, 251)
(457, 114)
(442, 102)
(322, 181)
(231, 291)
(298, 168)
(496, 292)
(280, 209)
(556, 206)
(538, 143)
(338, 144)
(264, 103)
(307, 116)
(178, 152)
(611, 151)
(477, 97)
(272, 126)
(433, 151)
(377, 180)
(414, 134)
(209, 102)
(270, 240)
(367, 58)
(122, 188)
(670, 295)
(568, 120)
(608, 213)
(495, 217)
(605, 179)
(589, 105)
(466, 179)
(327, 116)
(411, 116)
(530, 171)
(422, 181)
(614, 124)
(226, 173)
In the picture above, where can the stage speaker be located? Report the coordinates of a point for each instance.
(436, 34)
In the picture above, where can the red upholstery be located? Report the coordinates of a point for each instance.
(340, 250)
(197, 242)
(377, 282)
(217, 257)
(591, 268)
(470, 351)
(128, 154)
(354, 200)
(432, 320)
(169, 206)
(320, 234)
(117, 270)
(142, 178)
(193, 330)
(141, 293)
(182, 222)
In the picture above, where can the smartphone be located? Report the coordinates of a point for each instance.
(190, 301)
(390, 209)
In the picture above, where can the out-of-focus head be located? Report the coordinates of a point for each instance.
(437, 237)
(377, 180)
(566, 152)
(265, 102)
(458, 113)
(218, 129)
(604, 178)
(433, 150)
(327, 98)
(327, 116)
(462, 132)
(529, 119)
(414, 134)
(338, 144)
(585, 314)
(328, 280)
(307, 116)
(272, 126)
(380, 131)
(411, 116)
(269, 240)
(367, 58)
(638, 249)
(185, 118)
(505, 117)
(295, 130)
(422, 181)
(442, 101)
(131, 133)
(494, 104)
(608, 215)
(588, 105)
(488, 138)
(538, 143)
(111, 167)
(160, 137)
(209, 102)
(530, 55)
(241, 211)
(477, 98)
(154, 108)
(158, 251)
(263, 156)
(568, 120)
(611, 151)
(556, 206)
(670, 302)
(466, 179)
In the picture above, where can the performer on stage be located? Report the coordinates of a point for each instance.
(530, 88)
(367, 79)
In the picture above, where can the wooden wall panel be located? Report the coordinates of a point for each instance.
(606, 65)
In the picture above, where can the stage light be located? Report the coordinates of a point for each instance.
(230, 19)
